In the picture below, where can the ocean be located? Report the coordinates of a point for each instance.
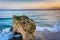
(44, 20)
(6, 23)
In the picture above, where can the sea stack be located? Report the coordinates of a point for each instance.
(24, 25)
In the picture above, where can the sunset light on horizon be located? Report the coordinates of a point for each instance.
(29, 5)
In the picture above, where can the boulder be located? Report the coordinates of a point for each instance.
(24, 25)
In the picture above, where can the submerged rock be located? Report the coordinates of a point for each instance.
(25, 26)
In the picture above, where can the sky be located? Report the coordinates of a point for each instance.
(29, 4)
(26, 4)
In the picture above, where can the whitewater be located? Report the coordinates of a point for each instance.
(6, 34)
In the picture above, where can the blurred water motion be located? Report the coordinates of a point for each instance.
(42, 18)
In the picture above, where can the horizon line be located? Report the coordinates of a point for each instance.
(29, 9)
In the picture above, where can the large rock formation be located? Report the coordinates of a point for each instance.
(25, 26)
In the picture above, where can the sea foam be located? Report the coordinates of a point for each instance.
(6, 34)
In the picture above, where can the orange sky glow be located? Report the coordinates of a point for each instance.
(30, 5)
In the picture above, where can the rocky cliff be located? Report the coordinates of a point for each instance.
(25, 26)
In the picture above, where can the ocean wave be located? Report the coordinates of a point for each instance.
(6, 34)
(49, 29)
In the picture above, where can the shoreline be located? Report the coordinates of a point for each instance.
(41, 35)
(47, 35)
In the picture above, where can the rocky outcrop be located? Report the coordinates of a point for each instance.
(25, 26)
